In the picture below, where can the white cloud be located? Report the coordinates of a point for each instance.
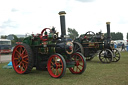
(34, 15)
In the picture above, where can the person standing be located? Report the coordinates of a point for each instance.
(123, 47)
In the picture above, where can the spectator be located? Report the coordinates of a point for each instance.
(123, 47)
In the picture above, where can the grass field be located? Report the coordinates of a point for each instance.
(96, 73)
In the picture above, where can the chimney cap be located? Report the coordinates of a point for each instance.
(107, 22)
(62, 13)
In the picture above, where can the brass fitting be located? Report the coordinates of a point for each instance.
(107, 22)
(62, 13)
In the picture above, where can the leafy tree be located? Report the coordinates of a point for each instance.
(72, 33)
(3, 37)
(119, 35)
(20, 39)
(13, 43)
(15, 38)
(115, 36)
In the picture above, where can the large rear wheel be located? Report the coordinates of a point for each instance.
(80, 63)
(56, 66)
(78, 47)
(22, 59)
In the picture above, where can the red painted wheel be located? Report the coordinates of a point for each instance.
(80, 63)
(56, 66)
(22, 59)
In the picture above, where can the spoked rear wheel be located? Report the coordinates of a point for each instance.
(56, 66)
(106, 56)
(78, 48)
(80, 63)
(22, 59)
(116, 55)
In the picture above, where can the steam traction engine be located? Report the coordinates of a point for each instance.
(92, 44)
(47, 51)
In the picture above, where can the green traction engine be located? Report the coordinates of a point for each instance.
(91, 44)
(48, 51)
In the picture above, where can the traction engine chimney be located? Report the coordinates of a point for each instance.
(62, 23)
(108, 33)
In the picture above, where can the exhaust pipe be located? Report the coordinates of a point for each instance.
(108, 34)
(108, 30)
(62, 23)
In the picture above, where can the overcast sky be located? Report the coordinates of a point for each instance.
(31, 16)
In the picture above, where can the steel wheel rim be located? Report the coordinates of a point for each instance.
(104, 57)
(55, 66)
(79, 66)
(20, 59)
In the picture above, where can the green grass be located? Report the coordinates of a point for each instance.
(96, 73)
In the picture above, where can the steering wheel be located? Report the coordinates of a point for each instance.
(89, 34)
(44, 35)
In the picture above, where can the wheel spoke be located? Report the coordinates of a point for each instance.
(115, 58)
(23, 66)
(23, 51)
(25, 61)
(81, 65)
(56, 71)
(15, 58)
(79, 68)
(77, 49)
(52, 63)
(76, 69)
(20, 49)
(18, 52)
(53, 69)
(26, 56)
(18, 65)
(59, 66)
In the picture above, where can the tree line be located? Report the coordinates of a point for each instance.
(73, 34)
(115, 36)
(15, 39)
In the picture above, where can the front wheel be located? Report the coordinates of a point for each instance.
(106, 56)
(80, 63)
(56, 66)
